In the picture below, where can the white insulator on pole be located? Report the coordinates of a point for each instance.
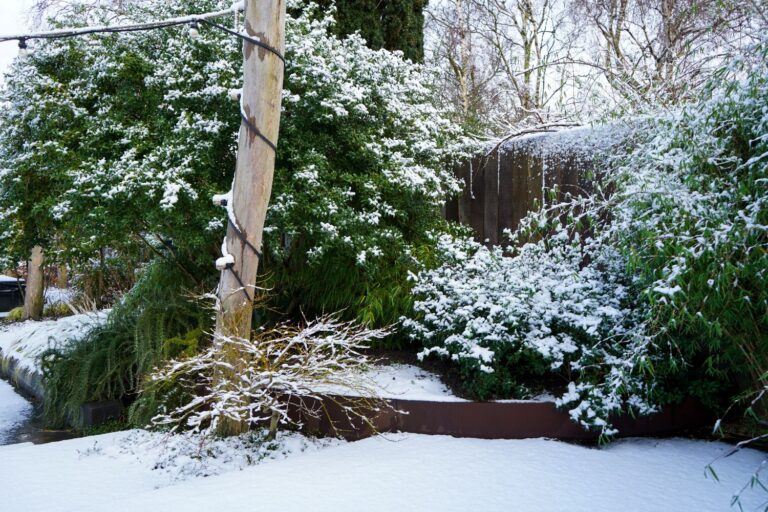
(225, 262)
(194, 30)
(221, 199)
(23, 49)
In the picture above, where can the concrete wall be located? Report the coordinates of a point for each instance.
(28, 381)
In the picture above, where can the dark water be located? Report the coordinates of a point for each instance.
(33, 430)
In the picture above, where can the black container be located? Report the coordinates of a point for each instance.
(11, 293)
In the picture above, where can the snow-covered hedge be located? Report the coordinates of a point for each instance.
(120, 141)
(509, 319)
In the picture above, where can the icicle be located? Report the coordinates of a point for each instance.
(471, 178)
(498, 172)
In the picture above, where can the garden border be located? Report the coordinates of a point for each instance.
(517, 419)
(512, 419)
(27, 381)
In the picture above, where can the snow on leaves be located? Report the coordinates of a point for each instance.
(673, 230)
(540, 299)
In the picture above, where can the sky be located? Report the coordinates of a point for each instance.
(13, 19)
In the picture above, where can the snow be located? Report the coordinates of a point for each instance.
(398, 472)
(27, 340)
(14, 410)
(409, 382)
(402, 381)
(55, 295)
(581, 142)
(8, 279)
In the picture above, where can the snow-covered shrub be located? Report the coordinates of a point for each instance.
(691, 218)
(651, 289)
(361, 179)
(511, 320)
(275, 370)
(120, 141)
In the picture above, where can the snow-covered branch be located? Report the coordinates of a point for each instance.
(277, 369)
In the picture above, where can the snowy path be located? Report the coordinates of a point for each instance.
(403, 472)
(14, 411)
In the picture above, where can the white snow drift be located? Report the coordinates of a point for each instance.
(399, 472)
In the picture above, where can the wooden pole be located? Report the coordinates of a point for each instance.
(33, 297)
(252, 186)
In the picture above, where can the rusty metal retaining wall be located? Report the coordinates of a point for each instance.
(498, 420)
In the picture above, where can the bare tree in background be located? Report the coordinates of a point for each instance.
(494, 57)
(661, 51)
(467, 69)
(507, 64)
(528, 37)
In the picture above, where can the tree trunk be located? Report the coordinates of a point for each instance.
(33, 298)
(62, 276)
(252, 186)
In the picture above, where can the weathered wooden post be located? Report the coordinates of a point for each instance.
(33, 297)
(247, 204)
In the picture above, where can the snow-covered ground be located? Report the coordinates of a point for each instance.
(402, 381)
(409, 382)
(398, 472)
(55, 295)
(142, 471)
(14, 411)
(25, 341)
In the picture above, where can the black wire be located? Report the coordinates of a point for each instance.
(145, 27)
(242, 237)
(256, 131)
(101, 30)
(245, 37)
(239, 281)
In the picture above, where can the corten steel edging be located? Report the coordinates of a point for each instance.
(496, 420)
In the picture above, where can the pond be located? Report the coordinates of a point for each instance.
(20, 420)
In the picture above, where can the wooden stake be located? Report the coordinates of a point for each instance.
(252, 186)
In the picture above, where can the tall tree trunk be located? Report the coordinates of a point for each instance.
(33, 298)
(252, 186)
